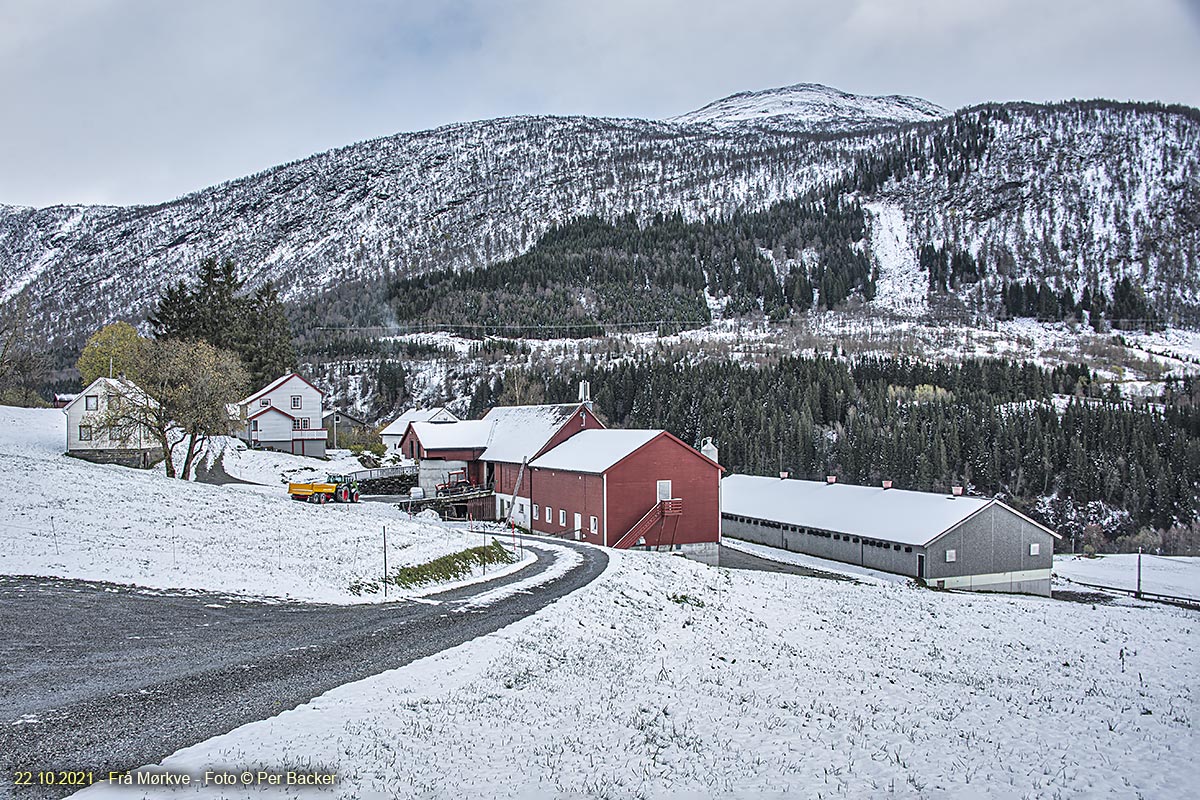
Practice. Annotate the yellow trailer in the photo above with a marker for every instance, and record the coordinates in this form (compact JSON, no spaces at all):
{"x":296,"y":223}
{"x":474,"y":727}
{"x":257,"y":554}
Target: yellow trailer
{"x":337,"y":489}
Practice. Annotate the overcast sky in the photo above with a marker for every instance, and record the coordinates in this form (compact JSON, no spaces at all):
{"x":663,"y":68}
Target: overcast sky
{"x":139,"y":101}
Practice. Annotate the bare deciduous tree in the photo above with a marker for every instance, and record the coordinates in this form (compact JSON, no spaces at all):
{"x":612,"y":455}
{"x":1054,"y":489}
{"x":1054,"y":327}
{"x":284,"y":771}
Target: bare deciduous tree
{"x":182,"y":401}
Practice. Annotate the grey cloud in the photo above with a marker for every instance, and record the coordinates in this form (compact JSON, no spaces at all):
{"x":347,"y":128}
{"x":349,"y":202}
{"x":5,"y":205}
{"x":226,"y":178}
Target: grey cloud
{"x":130,"y":101}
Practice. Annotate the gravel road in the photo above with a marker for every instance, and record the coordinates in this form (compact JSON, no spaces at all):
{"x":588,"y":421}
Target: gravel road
{"x":103,"y":677}
{"x":736,"y":559}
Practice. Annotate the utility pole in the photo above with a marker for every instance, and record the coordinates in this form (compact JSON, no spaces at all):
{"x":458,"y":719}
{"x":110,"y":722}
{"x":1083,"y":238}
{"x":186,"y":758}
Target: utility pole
{"x":1139,"y":582}
{"x":385,"y":562}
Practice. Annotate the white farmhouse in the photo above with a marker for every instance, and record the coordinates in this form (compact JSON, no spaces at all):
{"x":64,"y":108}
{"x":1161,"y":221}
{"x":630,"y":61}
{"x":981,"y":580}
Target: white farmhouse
{"x":90,"y":438}
{"x":285,"y":416}
{"x":394,"y":432}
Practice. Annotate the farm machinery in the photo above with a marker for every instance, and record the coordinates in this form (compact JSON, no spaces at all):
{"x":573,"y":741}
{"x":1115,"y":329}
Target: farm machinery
{"x":336,"y":489}
{"x":456,"y":482}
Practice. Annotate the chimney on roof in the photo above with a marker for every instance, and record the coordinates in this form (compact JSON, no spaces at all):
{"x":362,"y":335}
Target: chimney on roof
{"x":956,"y":491}
{"x":887,"y":484}
{"x":585,"y":393}
{"x":831,"y":479}
{"x":708,"y":449}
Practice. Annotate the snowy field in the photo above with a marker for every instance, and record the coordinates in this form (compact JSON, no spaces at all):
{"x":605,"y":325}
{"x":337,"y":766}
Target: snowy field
{"x":79,"y":520}
{"x":1178,"y":576}
{"x":269,"y":468}
{"x":668,"y":679}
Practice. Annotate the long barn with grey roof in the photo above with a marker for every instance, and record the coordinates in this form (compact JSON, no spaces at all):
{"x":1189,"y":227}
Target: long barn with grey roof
{"x":953,"y":542}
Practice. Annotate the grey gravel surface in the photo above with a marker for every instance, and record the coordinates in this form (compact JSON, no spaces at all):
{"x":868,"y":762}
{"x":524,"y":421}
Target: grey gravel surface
{"x":104,"y":677}
{"x":736,"y":559}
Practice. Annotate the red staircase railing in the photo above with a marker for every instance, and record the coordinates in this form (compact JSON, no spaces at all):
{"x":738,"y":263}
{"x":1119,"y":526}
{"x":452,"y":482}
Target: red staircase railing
{"x":656,"y":514}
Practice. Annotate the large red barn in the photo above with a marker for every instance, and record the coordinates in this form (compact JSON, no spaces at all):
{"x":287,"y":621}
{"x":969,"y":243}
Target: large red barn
{"x":629,"y":488}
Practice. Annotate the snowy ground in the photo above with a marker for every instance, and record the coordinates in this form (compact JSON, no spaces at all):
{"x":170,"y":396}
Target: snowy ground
{"x":274,"y":469}
{"x":668,"y":679}
{"x":1177,"y":576}
{"x":812,"y":562}
{"x":901,"y":285}
{"x":80,"y":520}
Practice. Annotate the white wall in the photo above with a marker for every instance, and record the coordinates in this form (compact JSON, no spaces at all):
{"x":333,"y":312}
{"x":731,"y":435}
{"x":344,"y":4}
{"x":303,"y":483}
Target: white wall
{"x":77,"y":415}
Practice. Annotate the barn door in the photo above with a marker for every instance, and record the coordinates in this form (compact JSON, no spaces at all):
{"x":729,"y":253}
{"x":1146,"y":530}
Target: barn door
{"x":664,"y":490}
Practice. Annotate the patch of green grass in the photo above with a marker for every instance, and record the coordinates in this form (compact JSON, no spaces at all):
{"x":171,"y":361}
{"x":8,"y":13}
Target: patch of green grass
{"x":686,"y":600}
{"x":454,"y":566}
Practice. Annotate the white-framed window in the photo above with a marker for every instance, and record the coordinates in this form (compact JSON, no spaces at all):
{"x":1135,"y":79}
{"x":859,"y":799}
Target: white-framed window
{"x":113,"y":400}
{"x":549,"y":514}
{"x":295,"y":424}
{"x":595,"y":525}
{"x":951,"y":555}
{"x":1035,"y":549}
{"x":664,"y":490}
{"x":304,"y":423}
{"x":91,"y":402}
{"x":266,"y":401}
{"x":537,"y":511}
{"x":297,"y":401}
{"x":85,"y":433}
{"x":562,"y":517}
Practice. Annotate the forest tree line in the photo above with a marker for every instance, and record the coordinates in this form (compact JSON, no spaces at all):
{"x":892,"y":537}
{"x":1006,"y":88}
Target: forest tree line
{"x":1058,"y":443}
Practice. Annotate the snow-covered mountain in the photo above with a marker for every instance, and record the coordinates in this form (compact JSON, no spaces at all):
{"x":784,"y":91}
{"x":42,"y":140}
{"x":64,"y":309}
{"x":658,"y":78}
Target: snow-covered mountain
{"x":1065,"y":193}
{"x":813,"y":107}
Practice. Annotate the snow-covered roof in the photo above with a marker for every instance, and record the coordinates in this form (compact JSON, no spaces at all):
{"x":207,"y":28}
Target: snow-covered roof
{"x":118,"y":386}
{"x":275,"y":384}
{"x":891,"y":515}
{"x":594,"y":451}
{"x":400,"y":424}
{"x":521,"y":431}
{"x":466,"y":435}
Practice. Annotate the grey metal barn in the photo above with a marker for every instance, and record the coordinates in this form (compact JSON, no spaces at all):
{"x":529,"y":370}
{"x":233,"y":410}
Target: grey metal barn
{"x":953,"y":542}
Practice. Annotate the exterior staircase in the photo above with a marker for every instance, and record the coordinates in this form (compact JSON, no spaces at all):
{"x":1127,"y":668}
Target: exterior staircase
{"x":657,"y":515}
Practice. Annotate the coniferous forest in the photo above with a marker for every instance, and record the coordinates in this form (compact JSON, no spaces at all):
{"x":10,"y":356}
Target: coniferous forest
{"x":588,"y":275}
{"x":1057,"y":444}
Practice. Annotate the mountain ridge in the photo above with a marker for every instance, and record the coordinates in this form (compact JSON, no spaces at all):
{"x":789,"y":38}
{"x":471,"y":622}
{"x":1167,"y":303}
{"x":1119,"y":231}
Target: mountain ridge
{"x":1069,"y":194}
{"x":813,"y":106}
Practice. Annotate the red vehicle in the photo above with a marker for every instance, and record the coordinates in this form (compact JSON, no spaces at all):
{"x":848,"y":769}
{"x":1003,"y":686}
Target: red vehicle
{"x":457,"y":482}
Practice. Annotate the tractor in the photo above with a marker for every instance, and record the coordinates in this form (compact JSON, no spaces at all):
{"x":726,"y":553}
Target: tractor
{"x":336,"y":488}
{"x":457,"y":482}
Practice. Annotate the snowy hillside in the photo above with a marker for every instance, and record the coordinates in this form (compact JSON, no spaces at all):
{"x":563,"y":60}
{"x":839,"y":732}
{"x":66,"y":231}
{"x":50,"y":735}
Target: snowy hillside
{"x":813,"y":107}
{"x":1176,"y":576}
{"x":669,"y":679}
{"x":82,"y":520}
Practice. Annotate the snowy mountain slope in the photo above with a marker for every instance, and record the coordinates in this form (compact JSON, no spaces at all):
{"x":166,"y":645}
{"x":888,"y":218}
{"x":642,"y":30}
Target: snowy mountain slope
{"x":668,"y":679}
{"x":1073,"y":194}
{"x":811,"y":106}
{"x":457,"y":197}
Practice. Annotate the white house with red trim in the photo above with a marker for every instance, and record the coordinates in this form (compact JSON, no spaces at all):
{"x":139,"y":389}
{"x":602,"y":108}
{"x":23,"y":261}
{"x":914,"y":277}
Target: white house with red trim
{"x":285,"y":416}
{"x":394,"y":432}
